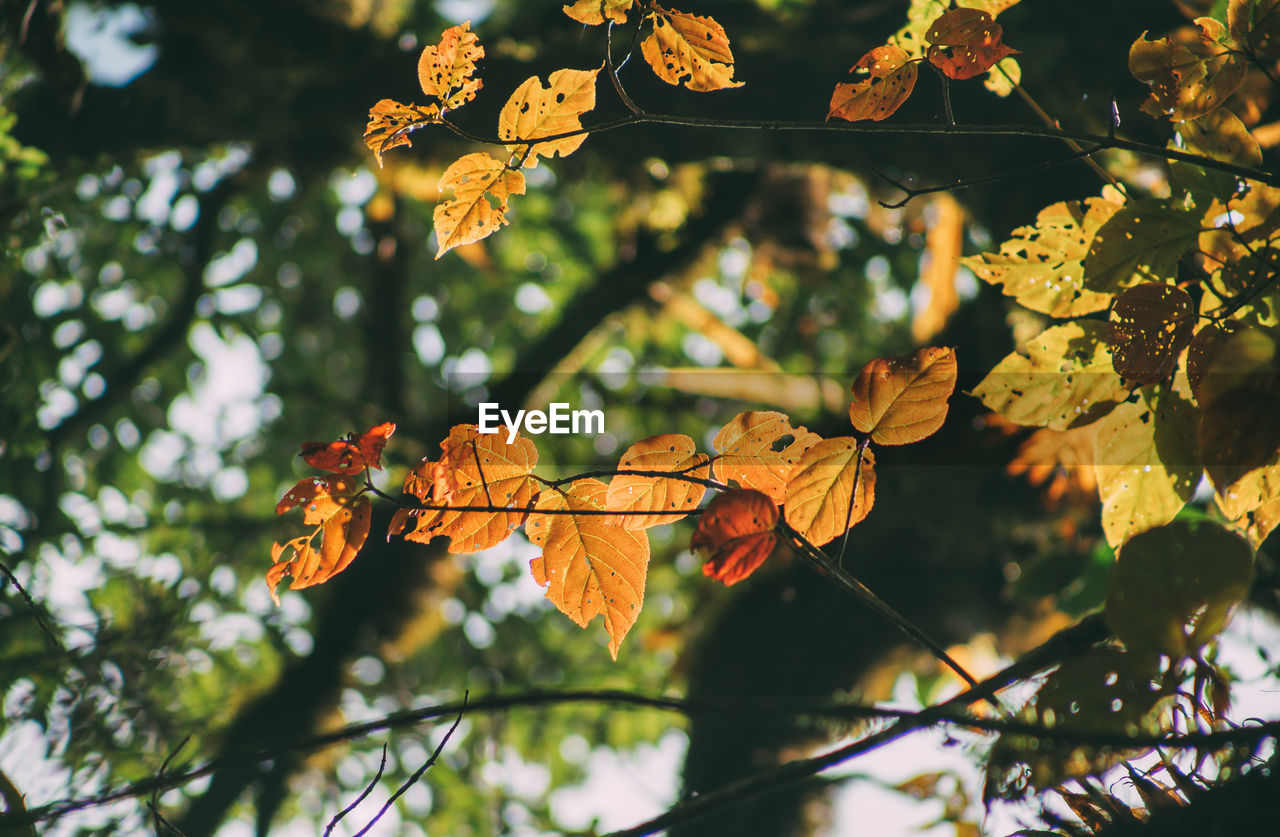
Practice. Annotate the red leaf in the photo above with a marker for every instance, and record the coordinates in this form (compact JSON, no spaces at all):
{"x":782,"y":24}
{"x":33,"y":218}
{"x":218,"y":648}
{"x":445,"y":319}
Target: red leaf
{"x":349,"y":456}
{"x":964,"y":43}
{"x":736,"y":533}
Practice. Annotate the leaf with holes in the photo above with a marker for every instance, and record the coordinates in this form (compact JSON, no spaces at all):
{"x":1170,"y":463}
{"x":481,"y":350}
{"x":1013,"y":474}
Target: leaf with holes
{"x":904,"y":399}
{"x":477,"y":470}
{"x":1256,"y":25}
{"x":891,"y":76}
{"x":390,"y":124}
{"x":342,"y":517}
{"x":1175,"y":587}
{"x":735,"y":534}
{"x":596,"y":12}
{"x":1221,"y":135}
{"x":1142,"y":242}
{"x":965,"y":42}
{"x":688,"y":49}
{"x":1188,"y":77}
{"x":1150,"y":325}
{"x":477,"y":180}
{"x":643,"y":499}
{"x":1042,"y":266}
{"x":1061,"y":379}
{"x":445,"y":70}
{"x":821,"y":504}
{"x":535,"y":111}
{"x":351,"y":455}
{"x":758,"y":449}
{"x":588,"y":566}
{"x":1147,"y":462}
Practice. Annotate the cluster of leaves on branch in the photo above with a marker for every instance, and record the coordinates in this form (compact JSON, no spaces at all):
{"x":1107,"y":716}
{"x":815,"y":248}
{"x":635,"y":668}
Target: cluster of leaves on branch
{"x":682,"y":48}
{"x":776,"y":483}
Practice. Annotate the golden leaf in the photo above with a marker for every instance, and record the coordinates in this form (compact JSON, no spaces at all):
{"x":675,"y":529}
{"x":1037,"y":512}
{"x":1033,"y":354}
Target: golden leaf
{"x":596,"y":12}
{"x":904,"y":399}
{"x":445,"y":70}
{"x":470,"y":215}
{"x":390,"y":124}
{"x":588,"y":566}
{"x":758,"y":449}
{"x":645,"y":498}
{"x":535,"y":111}
{"x":821,"y":489}
{"x":690,"y":50}
{"x":891,"y":78}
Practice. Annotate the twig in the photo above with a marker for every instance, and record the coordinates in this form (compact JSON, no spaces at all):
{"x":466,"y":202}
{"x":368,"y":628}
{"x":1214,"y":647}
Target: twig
{"x":853,"y":499}
{"x":154,"y":803}
{"x":613,"y":71}
{"x":31,"y":604}
{"x":368,"y":789}
{"x":417,"y":774}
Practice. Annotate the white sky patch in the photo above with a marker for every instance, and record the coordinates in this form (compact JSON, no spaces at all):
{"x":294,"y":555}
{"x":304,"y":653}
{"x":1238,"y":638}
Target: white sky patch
{"x":99,"y":37}
{"x":623,"y":788}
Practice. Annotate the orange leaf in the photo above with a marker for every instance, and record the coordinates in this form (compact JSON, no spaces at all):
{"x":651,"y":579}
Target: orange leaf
{"x":485,"y":471}
{"x":445,"y":70}
{"x":595,"y":12}
{"x":643,"y":497}
{"x":471,"y":215}
{"x":535,"y":111}
{"x":892,"y":77}
{"x":758,"y":449}
{"x":343,"y":522}
{"x":964,"y":43}
{"x":690,"y":50}
{"x":736,"y":533}
{"x":390,"y":124}
{"x":904,"y":399}
{"x":588,"y":566}
{"x":349,"y":456}
{"x":1061,"y":460}
{"x":1150,"y":325}
{"x":821,"y":488}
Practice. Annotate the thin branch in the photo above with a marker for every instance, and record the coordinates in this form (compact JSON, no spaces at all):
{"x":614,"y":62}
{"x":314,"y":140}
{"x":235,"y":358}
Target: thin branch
{"x":162,"y":825}
{"x":368,"y":789}
{"x":853,"y":499}
{"x":613,"y":71}
{"x":33,"y":607}
{"x":417,"y":774}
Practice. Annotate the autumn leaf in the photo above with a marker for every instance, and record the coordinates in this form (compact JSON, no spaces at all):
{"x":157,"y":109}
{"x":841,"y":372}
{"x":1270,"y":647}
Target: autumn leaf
{"x":1063,"y":378}
{"x":1042,"y":266}
{"x":1150,"y":325}
{"x":643,"y":498}
{"x":390,"y":124}
{"x":1201,"y":350}
{"x":470,"y":215}
{"x":921,"y":15}
{"x":1240,"y":407}
{"x":1190,"y":77}
{"x":1220,"y":135}
{"x":342,"y":516}
{"x":535,"y":111}
{"x":965,"y":42}
{"x":688,"y":49}
{"x":1059,"y":460}
{"x":1141,"y":242}
{"x":758,"y":449}
{"x":1236,"y":229}
{"x":1148,"y":464}
{"x":904,"y":399}
{"x":821,"y":489}
{"x":891,"y":76}
{"x":735,"y":534}
{"x":476,"y":470}
{"x":445,"y":70}
{"x":1175,"y":587}
{"x":1255,"y":24}
{"x":588,"y":566}
{"x":596,"y":12}
{"x":352,"y":455}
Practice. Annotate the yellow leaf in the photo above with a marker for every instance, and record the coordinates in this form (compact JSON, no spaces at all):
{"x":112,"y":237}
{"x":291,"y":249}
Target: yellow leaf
{"x":644,"y":498}
{"x":1221,"y":135}
{"x":821,"y":489}
{"x":596,"y":12}
{"x":1061,"y":379}
{"x":390,"y":124}
{"x":477,"y":470}
{"x":1148,"y":465}
{"x":758,"y":449}
{"x":535,"y":111}
{"x":1042,"y":266}
{"x":470,"y":215}
{"x":445,"y":70}
{"x":1256,"y":24}
{"x":904,"y":399}
{"x":588,"y":566}
{"x":690,"y":50}
{"x":891,"y":78}
{"x":1190,"y":77}
{"x":1142,"y":242}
